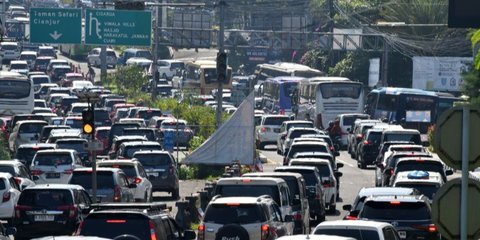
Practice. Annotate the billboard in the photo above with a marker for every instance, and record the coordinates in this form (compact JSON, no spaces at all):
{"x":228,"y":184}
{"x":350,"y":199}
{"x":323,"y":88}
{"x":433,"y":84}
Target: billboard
{"x":439,"y":73}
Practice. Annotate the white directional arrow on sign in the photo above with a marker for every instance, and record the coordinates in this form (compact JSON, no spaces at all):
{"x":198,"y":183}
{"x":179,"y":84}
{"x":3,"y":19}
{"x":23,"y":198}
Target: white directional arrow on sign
{"x":55,"y":35}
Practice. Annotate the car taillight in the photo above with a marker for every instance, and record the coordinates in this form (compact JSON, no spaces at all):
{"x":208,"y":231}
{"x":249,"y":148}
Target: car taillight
{"x":201,"y":232}
{"x":36,"y":172}
{"x":72,"y":210}
{"x":136,"y":180}
{"x":265,"y":231}
{"x":282,"y":112}
{"x":348,"y":217}
{"x":153,"y":236}
{"x":171,"y":170}
{"x":18,"y":180}
{"x":20,"y":208}
{"x":332,"y":148}
{"x":264,"y":129}
{"x":430,"y":228}
{"x":365,"y":142}
{"x":318,"y":196}
{"x":6,"y":196}
{"x":359,"y":136}
{"x":68,"y":171}
{"x":327,"y":185}
{"x":391,"y":172}
{"x":116,"y":194}
{"x":297,"y":216}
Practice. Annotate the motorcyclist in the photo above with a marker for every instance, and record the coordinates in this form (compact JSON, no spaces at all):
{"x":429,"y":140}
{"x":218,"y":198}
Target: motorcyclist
{"x":335,"y":131}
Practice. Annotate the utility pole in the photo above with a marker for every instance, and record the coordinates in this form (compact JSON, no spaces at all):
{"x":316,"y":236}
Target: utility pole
{"x":221,"y":49}
{"x":385,"y":63}
{"x":103,"y":59}
{"x":155,"y":56}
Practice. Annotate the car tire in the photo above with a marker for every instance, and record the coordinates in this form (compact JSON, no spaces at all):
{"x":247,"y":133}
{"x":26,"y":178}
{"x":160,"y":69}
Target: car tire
{"x":232,"y":231}
{"x":279,"y":152}
{"x":361,"y":163}
{"x":320,"y":219}
{"x":332,"y":209}
{"x":261,"y":146}
{"x":176,"y":194}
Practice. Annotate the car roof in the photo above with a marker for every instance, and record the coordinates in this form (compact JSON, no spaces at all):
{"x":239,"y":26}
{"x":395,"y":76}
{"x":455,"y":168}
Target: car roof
{"x":314,"y":237}
{"x":357,"y":224}
{"x":13,"y":162}
{"x":297,"y":121}
{"x":87,"y":169}
{"x":433,"y":177}
{"x":56,"y":151}
{"x":71,"y":140}
{"x":250,"y":180}
{"x":419,"y":159}
{"x":151,"y":152}
{"x":118,"y":161}
{"x":406,"y":146}
{"x":56,"y":186}
{"x":399,"y":198}
{"x":240,"y":200}
{"x":318,"y":143}
{"x":299,"y":167}
{"x":272,"y":174}
{"x":5,"y":175}
{"x":310,"y":160}
{"x":312,"y":154}
{"x":141,"y":143}
{"x":30,"y":121}
{"x":375,"y":191}
{"x":71,"y":238}
{"x":133,"y":137}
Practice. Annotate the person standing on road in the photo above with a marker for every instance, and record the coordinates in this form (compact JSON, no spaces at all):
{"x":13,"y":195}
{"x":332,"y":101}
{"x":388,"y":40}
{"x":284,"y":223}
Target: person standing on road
{"x":91,"y":73}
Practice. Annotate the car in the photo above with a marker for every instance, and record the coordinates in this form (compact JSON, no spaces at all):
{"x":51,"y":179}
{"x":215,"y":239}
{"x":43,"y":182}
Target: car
{"x":19,"y":172}
{"x":80,"y":85}
{"x":46,"y":51}
{"x":305,"y":147}
{"x":385,"y":170}
{"x":368,"y":147}
{"x":56,"y":62}
{"x":41,"y":63}
{"x":19,"y":66}
{"x":30,"y":57}
{"x":314,"y":237}
{"x":77,"y":108}
{"x":354,"y":208}
{"x":395,"y":134}
{"x":26,"y":152}
{"x":65,"y":103}
{"x":300,"y":208}
{"x":93,"y":57}
{"x":161,"y":170}
{"x":178,"y":130}
{"x":101,"y":135}
{"x":156,"y":122}
{"x":358,"y":230}
{"x":293,"y":133}
{"x":326,"y":138}
{"x":41,"y":110}
{"x":57,"y":72}
{"x":168,"y":68}
{"x":127,"y":149}
{"x":355,"y":135}
{"x":346,"y":121}
{"x":243,"y":218}
{"x":10,"y":191}
{"x":75,"y":122}
{"x":140,"y":121}
{"x":116,"y":107}
{"x":269,"y":129}
{"x":56,"y":134}
{"x":137,"y":220}
{"x":110,"y":102}
{"x":26,"y":131}
{"x":38,"y":80}
{"x":327,"y":175}
{"x":40,"y":103}
{"x":54,"y":165}
{"x":118,"y":140}
{"x":69,"y":78}
{"x":102,"y":118}
{"x":112,"y":184}
{"x":76,"y":144}
{"x":420,"y":164}
{"x":410,"y":215}
{"x":149,"y":133}
{"x":50,"y":209}
{"x":142,"y":63}
{"x":148,"y":113}
{"x":134,"y":53}
{"x":53,"y":100}
{"x":388,"y":148}
{"x":427,"y":183}
{"x":9,"y":51}
{"x":313,"y":187}
{"x":136,"y":174}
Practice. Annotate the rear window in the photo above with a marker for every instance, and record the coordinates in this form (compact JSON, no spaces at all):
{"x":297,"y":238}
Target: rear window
{"x":117,"y":130}
{"x":31,"y":127}
{"x":428,"y":190}
{"x":240,"y":214}
{"x":300,"y":125}
{"x":353,"y":233}
{"x":348,"y":121}
{"x":27,"y":154}
{"x":149,"y":134}
{"x":52,"y":159}
{"x":112,"y":225}
{"x":101,"y":115}
{"x":374,"y":137}
{"x":46,"y":52}
{"x":74,"y":145}
{"x":276,"y":121}
{"x":147,"y":114}
{"x":154,"y":160}
{"x":323,"y":169}
{"x":248,"y":191}
{"x":129,"y":170}
{"x":308,"y":175}
{"x":2,"y":184}
{"x":410,"y":137}
{"x":7,"y":169}
{"x":9,"y":47}
{"x":102,"y":134}
{"x":420,"y":166}
{"x":74,"y":123}
{"x":395,"y":211}
{"x":50,"y":198}
{"x":131,"y":150}
{"x":307,"y":148}
{"x":84,"y":179}
{"x":114,"y":101}
{"x":299,"y":133}
{"x":39,"y":80}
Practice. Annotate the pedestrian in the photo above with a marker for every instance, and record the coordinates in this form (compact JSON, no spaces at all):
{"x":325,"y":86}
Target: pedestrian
{"x":91,"y":73}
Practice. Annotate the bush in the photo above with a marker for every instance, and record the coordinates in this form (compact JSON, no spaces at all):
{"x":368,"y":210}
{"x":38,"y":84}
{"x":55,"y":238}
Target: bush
{"x":187,"y":172}
{"x":196,"y":142}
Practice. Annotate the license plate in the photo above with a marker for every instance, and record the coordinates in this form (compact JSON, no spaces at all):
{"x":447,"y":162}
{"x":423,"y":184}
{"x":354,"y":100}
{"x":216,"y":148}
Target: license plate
{"x":402,"y":234}
{"x":44,"y":218}
{"x":276,"y":130}
{"x":153,"y":174}
{"x":98,"y":123}
{"x":53,"y":175}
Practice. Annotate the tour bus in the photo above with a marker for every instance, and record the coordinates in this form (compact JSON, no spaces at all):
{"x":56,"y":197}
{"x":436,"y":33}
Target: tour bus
{"x":201,"y":76}
{"x":321,"y":99}
{"x":277,"y":94}
{"x":411,"y":108}
{"x":446,"y":101}
{"x":264,"y":71}
{"x":16,"y":94}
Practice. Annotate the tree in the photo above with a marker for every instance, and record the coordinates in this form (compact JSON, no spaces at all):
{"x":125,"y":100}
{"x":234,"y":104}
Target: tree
{"x":128,"y":80}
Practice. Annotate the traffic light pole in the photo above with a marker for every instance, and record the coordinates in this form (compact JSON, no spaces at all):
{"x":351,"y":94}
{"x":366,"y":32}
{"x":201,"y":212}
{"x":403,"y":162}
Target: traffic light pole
{"x":221,"y":49}
{"x":93,"y":155}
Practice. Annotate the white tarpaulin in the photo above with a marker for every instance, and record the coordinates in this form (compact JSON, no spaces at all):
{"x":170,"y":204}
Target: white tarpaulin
{"x":234,"y":140}
{"x":439,"y":73}
{"x":374,"y":72}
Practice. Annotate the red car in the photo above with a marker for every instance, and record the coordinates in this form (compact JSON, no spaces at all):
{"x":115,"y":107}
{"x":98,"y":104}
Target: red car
{"x":101,"y":135}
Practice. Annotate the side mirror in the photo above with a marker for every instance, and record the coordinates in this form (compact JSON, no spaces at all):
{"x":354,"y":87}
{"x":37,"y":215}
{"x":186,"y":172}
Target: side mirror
{"x":189,"y":235}
{"x":132,"y":185}
{"x":347,"y":207}
{"x":338,"y":174}
{"x":289,"y":218}
{"x":340,"y":165}
{"x":349,"y":130}
{"x":283,"y":136}
{"x":449,"y":172}
{"x":10,"y":231}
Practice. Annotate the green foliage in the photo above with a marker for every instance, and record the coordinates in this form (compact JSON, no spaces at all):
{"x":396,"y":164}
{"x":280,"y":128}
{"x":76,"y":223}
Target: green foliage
{"x":355,"y":66}
{"x":195,"y":142}
{"x":187,"y":172}
{"x":4,"y":152}
{"x":127,"y":80}
{"x":475,"y":38}
{"x":471,"y":84}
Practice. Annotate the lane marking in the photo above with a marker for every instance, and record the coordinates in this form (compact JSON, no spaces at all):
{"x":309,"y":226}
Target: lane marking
{"x":346,"y":163}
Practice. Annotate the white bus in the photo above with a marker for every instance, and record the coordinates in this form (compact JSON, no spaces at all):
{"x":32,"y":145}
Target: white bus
{"x":16,"y":94}
{"x":282,"y":69}
{"x":321,"y":99}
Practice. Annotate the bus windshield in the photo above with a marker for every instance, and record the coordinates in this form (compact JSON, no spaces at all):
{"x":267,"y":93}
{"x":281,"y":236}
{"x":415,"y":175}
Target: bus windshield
{"x":14,"y":89}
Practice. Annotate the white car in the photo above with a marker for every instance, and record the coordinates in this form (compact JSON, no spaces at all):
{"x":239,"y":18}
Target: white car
{"x":136,"y":174}
{"x":269,"y":129}
{"x":9,"y":50}
{"x":93,"y":57}
{"x":26,"y":131}
{"x":10,"y":191}
{"x":427,"y":183}
{"x":329,"y":181}
{"x":19,"y":66}
{"x":402,"y":148}
{"x":79,"y":85}
{"x":19,"y":171}
{"x":30,"y":57}
{"x":54,"y":165}
{"x":168,"y":68}
{"x":358,"y":229}
{"x":144,"y":63}
{"x":314,"y":237}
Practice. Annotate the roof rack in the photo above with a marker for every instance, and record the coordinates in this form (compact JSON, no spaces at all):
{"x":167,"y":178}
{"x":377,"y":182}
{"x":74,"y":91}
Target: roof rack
{"x":144,"y":206}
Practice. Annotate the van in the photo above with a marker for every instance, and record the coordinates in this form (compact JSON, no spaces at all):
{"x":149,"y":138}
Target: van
{"x":410,"y":135}
{"x":346,"y":122}
{"x":133,"y":52}
{"x":9,"y":50}
{"x":167,"y":68}
{"x":257,"y":186}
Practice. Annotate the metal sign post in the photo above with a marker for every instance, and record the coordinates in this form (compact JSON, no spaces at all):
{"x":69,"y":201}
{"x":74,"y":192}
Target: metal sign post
{"x":465,"y":153}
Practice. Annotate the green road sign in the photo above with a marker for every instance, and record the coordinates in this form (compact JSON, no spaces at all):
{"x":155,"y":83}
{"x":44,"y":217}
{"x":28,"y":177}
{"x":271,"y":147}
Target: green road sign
{"x":118,"y":27}
{"x":55,"y":25}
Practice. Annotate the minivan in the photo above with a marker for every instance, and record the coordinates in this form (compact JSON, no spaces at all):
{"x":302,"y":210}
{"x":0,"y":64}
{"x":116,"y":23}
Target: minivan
{"x":133,"y":52}
{"x":410,"y":135}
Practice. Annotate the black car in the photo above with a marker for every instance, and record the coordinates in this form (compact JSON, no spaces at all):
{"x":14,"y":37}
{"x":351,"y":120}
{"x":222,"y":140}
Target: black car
{"x":410,"y":215}
{"x":25,"y":152}
{"x":117,"y":130}
{"x":102,"y":117}
{"x":314,"y":189}
{"x":58,"y":72}
{"x":142,"y":220}
{"x":149,"y":133}
{"x":367,"y":149}
{"x":387,"y":169}
{"x":50,"y":209}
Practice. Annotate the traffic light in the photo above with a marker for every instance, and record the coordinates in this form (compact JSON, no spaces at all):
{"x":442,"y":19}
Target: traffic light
{"x":222,"y":75}
{"x":88,"y":119}
{"x":129,"y":5}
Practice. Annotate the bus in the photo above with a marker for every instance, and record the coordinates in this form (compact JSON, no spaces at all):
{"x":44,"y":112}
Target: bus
{"x":264,"y":71}
{"x":277,"y":94}
{"x":16,"y":94}
{"x":321,"y":99}
{"x":446,"y":101}
{"x":411,"y":108}
{"x":201,"y":76}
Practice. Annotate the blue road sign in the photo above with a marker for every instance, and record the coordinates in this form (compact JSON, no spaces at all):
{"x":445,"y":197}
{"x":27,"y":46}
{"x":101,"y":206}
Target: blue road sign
{"x":168,"y":140}
{"x":14,"y":29}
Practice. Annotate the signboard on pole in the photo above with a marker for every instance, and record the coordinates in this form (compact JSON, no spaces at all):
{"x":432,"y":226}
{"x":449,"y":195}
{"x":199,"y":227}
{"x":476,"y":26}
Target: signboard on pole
{"x":118,"y":27}
{"x":168,"y":141}
{"x":55,"y":25}
{"x":374,"y":72}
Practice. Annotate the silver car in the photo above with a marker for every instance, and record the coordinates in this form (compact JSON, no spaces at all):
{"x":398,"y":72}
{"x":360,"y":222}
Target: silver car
{"x":54,"y":165}
{"x":25,"y":132}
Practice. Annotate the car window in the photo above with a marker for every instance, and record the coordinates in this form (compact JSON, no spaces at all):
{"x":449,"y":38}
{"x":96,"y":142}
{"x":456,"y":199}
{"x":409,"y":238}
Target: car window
{"x":3,"y":185}
{"x":389,"y":233}
{"x":129,"y":170}
{"x":154,"y":160}
{"x":45,"y":197}
{"x":395,"y":211}
{"x":14,"y":183}
{"x":228,"y":213}
{"x":353,"y":233}
{"x":53,"y":159}
{"x":113,"y":225}
{"x":285,"y":196}
{"x":84,"y":179}
{"x":275,"y":120}
{"x":8,"y":169}
{"x":275,"y":215}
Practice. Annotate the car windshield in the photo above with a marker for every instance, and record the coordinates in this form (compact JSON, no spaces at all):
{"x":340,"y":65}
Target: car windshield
{"x":348,"y":121}
{"x":237,"y":214}
{"x":74,"y":145}
{"x":48,"y":198}
{"x":84,"y":179}
{"x":108,"y":225}
{"x":248,"y":191}
{"x":154,"y":160}
{"x":52,"y":159}
{"x":428,"y":190}
{"x":31,"y":127}
{"x":8,"y":169}
{"x":131,"y":150}
{"x":275,"y":121}
{"x":353,"y":233}
{"x":394,"y":211}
